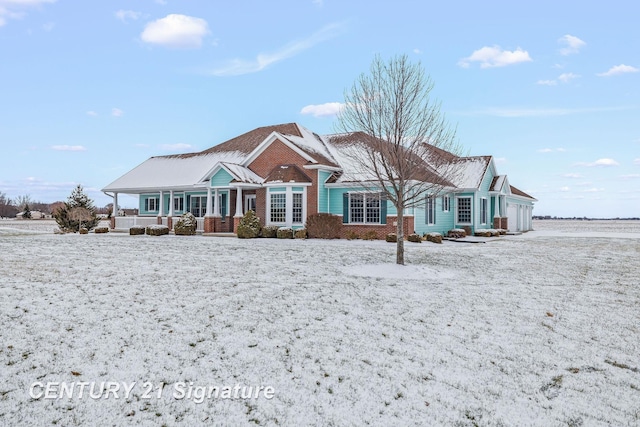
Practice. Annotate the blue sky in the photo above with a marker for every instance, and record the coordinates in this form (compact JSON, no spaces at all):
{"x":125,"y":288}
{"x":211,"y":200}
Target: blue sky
{"x":88,"y":90}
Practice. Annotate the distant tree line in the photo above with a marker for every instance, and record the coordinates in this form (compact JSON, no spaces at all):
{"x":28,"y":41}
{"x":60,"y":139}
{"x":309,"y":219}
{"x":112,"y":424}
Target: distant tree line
{"x":10,"y":207}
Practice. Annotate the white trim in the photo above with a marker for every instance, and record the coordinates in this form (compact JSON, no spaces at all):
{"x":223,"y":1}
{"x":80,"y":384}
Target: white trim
{"x":364,"y":208}
{"x":288,"y":192}
{"x":275,"y":136}
{"x":485,"y":218}
{"x":323,"y":167}
{"x":288,"y":184}
{"x":457,"y":208}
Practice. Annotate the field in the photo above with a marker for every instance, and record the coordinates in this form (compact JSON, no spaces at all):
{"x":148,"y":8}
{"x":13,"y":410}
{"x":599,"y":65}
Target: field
{"x":539,"y":329}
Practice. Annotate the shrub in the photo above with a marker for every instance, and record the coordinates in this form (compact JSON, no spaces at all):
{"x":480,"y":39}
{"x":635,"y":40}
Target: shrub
{"x":136,"y":230}
{"x":391,"y":238}
{"x":352,"y":235}
{"x":186,"y":225}
{"x":301,"y":233}
{"x":370,"y":235}
{"x":157,"y":230}
{"x":323,"y":226}
{"x":456,"y":233}
{"x":84,"y":231}
{"x":467,"y":230}
{"x":270,"y":231}
{"x":284,"y":233}
{"x":415,"y":238}
{"x":434,"y":237}
{"x":249,"y":226}
{"x":77,"y":212}
{"x":501,"y":231}
{"x":100,"y":230}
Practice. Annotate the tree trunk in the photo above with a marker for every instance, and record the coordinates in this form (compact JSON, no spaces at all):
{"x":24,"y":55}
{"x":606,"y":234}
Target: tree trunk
{"x":400,"y":236}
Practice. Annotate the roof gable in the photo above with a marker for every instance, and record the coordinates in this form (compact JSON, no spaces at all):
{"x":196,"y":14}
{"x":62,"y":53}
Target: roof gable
{"x":287,"y":173}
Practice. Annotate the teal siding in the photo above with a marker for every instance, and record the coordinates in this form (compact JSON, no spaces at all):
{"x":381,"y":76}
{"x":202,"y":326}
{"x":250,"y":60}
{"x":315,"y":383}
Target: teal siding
{"x":323,"y":192}
{"x":444,"y":219}
{"x":483,"y":191}
{"x":297,"y":189}
{"x":277,"y":189}
{"x":222,"y":178}
{"x":143,"y":202}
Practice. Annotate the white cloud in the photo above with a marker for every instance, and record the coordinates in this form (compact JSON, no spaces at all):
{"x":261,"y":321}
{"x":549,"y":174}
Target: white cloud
{"x":417,"y":51}
{"x":125,"y":15}
{"x":565,"y":189}
{"x":14,"y":9}
{"x":68,"y":148}
{"x":593,"y":190}
{"x":572,"y":44}
{"x":323,"y":110}
{"x":92,"y":113}
{"x":318,"y":3}
{"x":600,"y":163}
{"x":547,"y":82}
{"x":636,"y":161}
{"x":618,"y":69}
{"x":116,"y":112}
{"x":176,"y":31}
{"x":572,"y":175}
{"x":176,"y":147}
{"x":551,"y":150}
{"x":494,"y":56}
{"x":238,"y":67}
{"x":566,"y":77}
{"x":630,"y":176}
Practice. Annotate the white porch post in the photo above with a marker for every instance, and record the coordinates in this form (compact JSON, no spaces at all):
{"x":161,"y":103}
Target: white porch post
{"x":238,"y":203}
{"x":209,"y":203}
{"x":216,"y":204}
{"x":161,"y":204}
{"x":115,"y":205}
{"x":496,"y":212}
{"x":289,"y":207}
{"x":171,"y":203}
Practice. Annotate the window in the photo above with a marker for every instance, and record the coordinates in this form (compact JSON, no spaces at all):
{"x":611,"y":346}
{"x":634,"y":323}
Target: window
{"x":198,"y":206}
{"x":365,"y":208}
{"x":151,"y":204}
{"x":278,"y":207}
{"x":483,"y":210}
{"x":297,"y":207}
{"x":464,"y":210}
{"x":446,"y":203}
{"x":431,"y":210}
{"x":178,"y":203}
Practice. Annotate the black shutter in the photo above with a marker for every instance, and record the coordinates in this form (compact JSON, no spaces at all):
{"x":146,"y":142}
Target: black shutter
{"x":345,"y":208}
{"x":383,"y":208}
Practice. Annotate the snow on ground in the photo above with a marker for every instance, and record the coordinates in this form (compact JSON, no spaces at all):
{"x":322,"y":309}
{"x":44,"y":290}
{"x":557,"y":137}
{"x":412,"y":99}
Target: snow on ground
{"x":523,"y":330}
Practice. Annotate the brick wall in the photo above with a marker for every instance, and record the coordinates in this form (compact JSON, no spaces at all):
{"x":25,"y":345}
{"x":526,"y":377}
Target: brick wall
{"x":279,"y":154}
{"x":380,"y":230}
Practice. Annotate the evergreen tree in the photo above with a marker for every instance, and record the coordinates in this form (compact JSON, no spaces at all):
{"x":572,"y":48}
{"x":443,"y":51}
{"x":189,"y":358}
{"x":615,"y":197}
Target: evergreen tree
{"x":26,"y":213}
{"x":67,"y":215}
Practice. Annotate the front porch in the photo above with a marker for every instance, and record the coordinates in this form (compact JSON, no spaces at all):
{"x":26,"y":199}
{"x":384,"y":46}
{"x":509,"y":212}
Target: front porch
{"x":205,"y":225}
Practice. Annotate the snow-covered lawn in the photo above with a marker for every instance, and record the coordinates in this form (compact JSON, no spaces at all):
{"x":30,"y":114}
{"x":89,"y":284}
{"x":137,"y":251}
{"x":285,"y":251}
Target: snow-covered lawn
{"x":539,"y":329}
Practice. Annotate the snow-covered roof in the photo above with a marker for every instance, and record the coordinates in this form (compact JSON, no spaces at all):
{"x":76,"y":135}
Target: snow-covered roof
{"x":314,"y":145}
{"x":170,"y":172}
{"x":242,"y":174}
{"x":469,"y":171}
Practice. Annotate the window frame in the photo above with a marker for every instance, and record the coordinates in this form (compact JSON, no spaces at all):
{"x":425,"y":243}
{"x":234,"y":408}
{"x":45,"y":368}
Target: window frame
{"x":430,"y":210}
{"x":446,"y":203}
{"x":370,"y":207}
{"x":283,"y":195}
{"x":484,"y":211}
{"x":468,"y":210}
{"x":152,"y":204}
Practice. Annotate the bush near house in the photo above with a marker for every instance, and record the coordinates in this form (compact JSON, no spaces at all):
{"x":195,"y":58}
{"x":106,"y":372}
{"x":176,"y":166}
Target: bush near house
{"x":370,"y":235}
{"x":300,"y":233}
{"x":270,"y":231}
{"x":137,"y":230}
{"x":284,"y":233}
{"x":84,"y":231}
{"x":352,"y":235}
{"x":186,"y":225}
{"x":456,"y":233}
{"x":434,"y":237}
{"x":391,"y":238}
{"x":157,"y":230}
{"x":323,"y":226}
{"x":249,"y":226}
{"x":101,"y":230}
{"x":415,"y":238}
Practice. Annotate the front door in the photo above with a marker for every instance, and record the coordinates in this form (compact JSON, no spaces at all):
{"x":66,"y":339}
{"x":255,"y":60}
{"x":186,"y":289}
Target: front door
{"x":250,"y":202}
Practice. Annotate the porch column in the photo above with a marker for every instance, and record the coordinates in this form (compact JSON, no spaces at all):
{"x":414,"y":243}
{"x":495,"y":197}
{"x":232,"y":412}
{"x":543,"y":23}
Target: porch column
{"x":496,"y":212}
{"x":160,"y":207}
{"x":238,"y":203}
{"x":216,"y":205}
{"x":114,"y":211}
{"x":209,"y":199}
{"x":171,"y":203}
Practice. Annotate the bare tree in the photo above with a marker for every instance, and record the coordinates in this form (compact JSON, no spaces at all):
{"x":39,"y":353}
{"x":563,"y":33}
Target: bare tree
{"x":6,"y":206}
{"x":22,"y":201}
{"x":395,"y":138}
{"x":80,"y":214}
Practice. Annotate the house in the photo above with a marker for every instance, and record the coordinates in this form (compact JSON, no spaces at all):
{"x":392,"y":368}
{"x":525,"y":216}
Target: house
{"x":286,"y":172}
